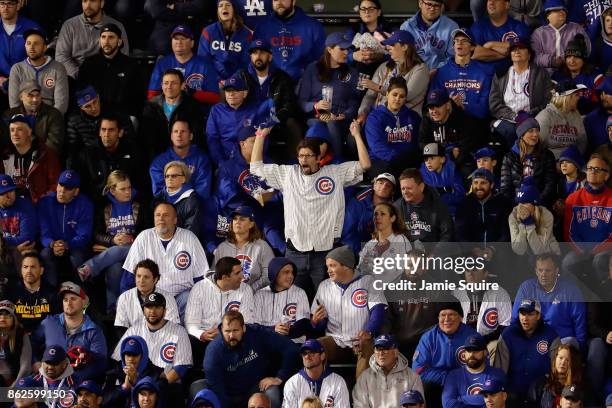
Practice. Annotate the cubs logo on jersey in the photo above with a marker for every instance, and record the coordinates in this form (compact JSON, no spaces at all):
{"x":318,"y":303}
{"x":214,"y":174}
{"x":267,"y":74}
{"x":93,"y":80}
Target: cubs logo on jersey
{"x":359,"y":298}
{"x":290,"y":310}
{"x":167,"y":352}
{"x":325,"y":185}
{"x":490,"y":318}
{"x":182,"y":260}
{"x":461,"y":356}
{"x":233,"y":306}
{"x":474,"y":389}
{"x":542,"y":347}
{"x":329,"y":402}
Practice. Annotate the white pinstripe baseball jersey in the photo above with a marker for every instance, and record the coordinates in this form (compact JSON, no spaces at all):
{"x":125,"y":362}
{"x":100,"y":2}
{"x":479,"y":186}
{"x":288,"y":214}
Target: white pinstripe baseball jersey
{"x":313,"y":204}
{"x":168,"y":346}
{"x":207,"y":304}
{"x":272,"y":307}
{"x":333,"y":392}
{"x":129,"y":309}
{"x":516,"y":92}
{"x":179,"y":263}
{"x":495,"y":309}
{"x":348,"y":310}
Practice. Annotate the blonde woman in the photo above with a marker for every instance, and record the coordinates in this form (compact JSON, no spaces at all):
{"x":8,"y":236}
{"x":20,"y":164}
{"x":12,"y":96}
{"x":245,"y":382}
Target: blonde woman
{"x":312,"y":402}
{"x":15,"y":346}
{"x":404,"y":62}
{"x":117,"y":224}
{"x":560,"y":122}
{"x":531,"y":225}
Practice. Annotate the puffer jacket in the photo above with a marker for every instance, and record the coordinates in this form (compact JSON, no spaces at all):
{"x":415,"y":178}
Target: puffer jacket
{"x":375,"y":389}
{"x":544,"y":175}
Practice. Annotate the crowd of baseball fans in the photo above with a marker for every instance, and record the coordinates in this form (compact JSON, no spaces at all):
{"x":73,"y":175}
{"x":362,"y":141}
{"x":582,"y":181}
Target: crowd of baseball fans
{"x":203,"y":231}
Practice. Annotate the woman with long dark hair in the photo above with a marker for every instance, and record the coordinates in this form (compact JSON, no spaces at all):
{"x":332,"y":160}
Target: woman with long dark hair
{"x":328,"y":89}
{"x":15,"y":347}
{"x":370,"y":31}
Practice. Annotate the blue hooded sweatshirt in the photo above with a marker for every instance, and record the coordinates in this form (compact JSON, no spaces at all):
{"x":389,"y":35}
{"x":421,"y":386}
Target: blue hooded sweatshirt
{"x":122,"y":216}
{"x":448,"y":182}
{"x":12,"y":47}
{"x":392,"y":136}
{"x":206,"y":395}
{"x":52,"y":331}
{"x":236,"y":370}
{"x":563,"y":307}
{"x":198,"y":162}
{"x":296,"y":41}
{"x":72,"y":222}
{"x":19,"y":222}
{"x":229,"y":54}
{"x":358,"y":220}
{"x":149,"y":384}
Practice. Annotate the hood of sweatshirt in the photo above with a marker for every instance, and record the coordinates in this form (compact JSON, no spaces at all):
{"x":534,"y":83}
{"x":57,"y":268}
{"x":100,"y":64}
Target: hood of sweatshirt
{"x":144,"y":357}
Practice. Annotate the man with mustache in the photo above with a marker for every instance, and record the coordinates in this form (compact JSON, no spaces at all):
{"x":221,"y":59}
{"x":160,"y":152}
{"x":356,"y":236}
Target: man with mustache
{"x":89,"y":394}
{"x":313,"y":199}
{"x":79,"y":36}
{"x":463,"y":385}
{"x":114,"y":75}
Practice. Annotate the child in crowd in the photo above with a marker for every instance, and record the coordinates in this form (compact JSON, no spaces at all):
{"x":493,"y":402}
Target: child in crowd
{"x":443,"y":175}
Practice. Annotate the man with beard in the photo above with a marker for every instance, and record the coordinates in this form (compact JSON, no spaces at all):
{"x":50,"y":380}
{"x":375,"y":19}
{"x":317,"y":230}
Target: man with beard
{"x":595,"y":123}
{"x":297,"y":39}
{"x":265,"y":81}
{"x":463,"y":385}
{"x":75,"y":331}
{"x":50,"y":74}
{"x":389,"y":374}
{"x":358,"y":222}
{"x":79,"y":36}
{"x":237,"y":362}
{"x":313,"y":200}
{"x":34,"y":299}
{"x":524,"y":348}
{"x":315,"y":379}
{"x":478,"y":216}
{"x":177,"y":251}
{"x":114,"y":75}
{"x":48,"y":121}
{"x":89,"y":394}
{"x":168,"y":342}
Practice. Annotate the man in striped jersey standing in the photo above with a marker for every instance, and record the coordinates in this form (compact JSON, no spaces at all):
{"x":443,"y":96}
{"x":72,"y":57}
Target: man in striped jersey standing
{"x":313,"y":200}
{"x":349,"y":310}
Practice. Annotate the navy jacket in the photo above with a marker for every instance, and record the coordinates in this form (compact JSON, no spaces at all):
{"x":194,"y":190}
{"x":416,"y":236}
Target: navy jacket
{"x":19,"y":222}
{"x":72,"y":222}
{"x":478,"y":221}
{"x":12,"y":47}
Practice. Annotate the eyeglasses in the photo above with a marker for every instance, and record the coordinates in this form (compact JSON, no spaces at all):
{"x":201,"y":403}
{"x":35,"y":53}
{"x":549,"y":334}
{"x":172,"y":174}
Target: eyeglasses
{"x":368,"y":9}
{"x":462,"y":41}
{"x":433,"y":6}
{"x":8,"y":4}
{"x":381,"y":350}
{"x":308,"y":353}
{"x":306,"y":156}
{"x":173,"y":176}
{"x":591,"y":169}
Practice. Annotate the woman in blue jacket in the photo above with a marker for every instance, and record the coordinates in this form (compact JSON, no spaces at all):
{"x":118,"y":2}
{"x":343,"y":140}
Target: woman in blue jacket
{"x":226,"y":42}
{"x":391,"y":131}
{"x":331,"y":72}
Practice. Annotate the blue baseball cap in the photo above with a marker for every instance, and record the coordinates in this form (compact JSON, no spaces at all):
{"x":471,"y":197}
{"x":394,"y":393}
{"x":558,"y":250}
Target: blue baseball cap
{"x":385,"y":341}
{"x":475,"y":342}
{"x":260,"y":44}
{"x":399,"y":36}
{"x":411,"y":397}
{"x":465,"y":32}
{"x":132,"y":346}
{"x":86,"y":95}
{"x":573,"y":155}
{"x":530,"y":305}
{"x":485,"y":152}
{"x":338,"y":38}
{"x":182,"y":30}
{"x":312,"y":344}
{"x":437,"y":97}
{"x":519,"y":42}
{"x":90,"y":386}
{"x":483,"y":174}
{"x":245,"y":211}
{"x":19,"y":118}
{"x":552,"y":5}
{"x":236,"y":82}
{"x":70,"y":179}
{"x":6,"y":184}
{"x":54,"y":354}
{"x":606,"y":85}
{"x":493,"y":385}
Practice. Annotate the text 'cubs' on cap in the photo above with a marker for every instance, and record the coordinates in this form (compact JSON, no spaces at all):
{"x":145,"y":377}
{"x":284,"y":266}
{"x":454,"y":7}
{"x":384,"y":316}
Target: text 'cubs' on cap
{"x":385,"y":341}
{"x":399,"y":36}
{"x":475,"y":342}
{"x":90,"y":386}
{"x":154,"y":299}
{"x":385,"y":176}
{"x":182,"y":30}
{"x":530,"y":305}
{"x":54,"y":354}
{"x":313,"y":345}
{"x":6,"y":184}
{"x":411,"y":397}
{"x":70,"y":179}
